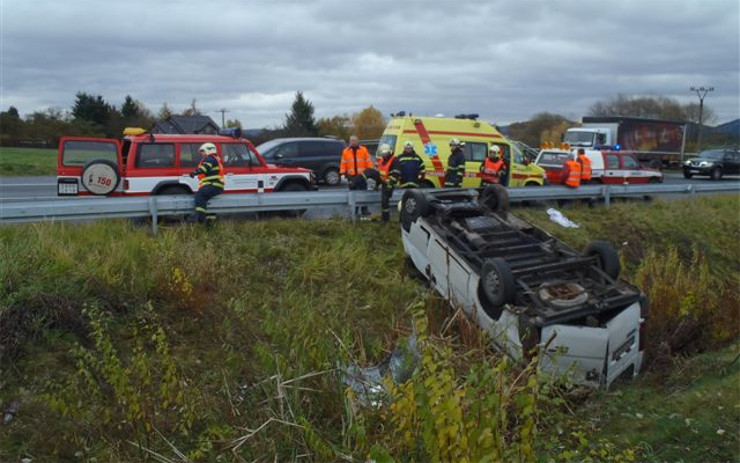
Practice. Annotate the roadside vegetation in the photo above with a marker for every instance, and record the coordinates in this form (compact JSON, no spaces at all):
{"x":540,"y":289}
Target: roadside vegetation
{"x":16,"y":162}
{"x":231,"y":345}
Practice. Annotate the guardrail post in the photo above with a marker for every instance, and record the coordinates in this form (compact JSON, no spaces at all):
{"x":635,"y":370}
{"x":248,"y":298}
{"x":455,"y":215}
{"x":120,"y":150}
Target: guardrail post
{"x":153,"y":212}
{"x":352,"y":206}
{"x":691,"y":190}
{"x":606,"y":191}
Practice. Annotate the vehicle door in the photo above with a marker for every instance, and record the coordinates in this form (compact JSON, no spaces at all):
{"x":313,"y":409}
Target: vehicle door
{"x":732,"y":162}
{"x":475,"y":154}
{"x":520,"y":170}
{"x":242,"y":170}
{"x":77,"y":153}
{"x":151,"y":164}
{"x":613,"y":174}
{"x":286,"y":154}
{"x":313,"y":154}
{"x":632,"y":171}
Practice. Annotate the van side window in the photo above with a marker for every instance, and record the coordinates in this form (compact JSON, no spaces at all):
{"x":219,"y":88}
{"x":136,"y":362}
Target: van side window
{"x":288,"y":150}
{"x":612,"y":161}
{"x":189,"y":156}
{"x":316,"y":148}
{"x":234,"y":155}
{"x":475,"y":152}
{"x":156,"y":155}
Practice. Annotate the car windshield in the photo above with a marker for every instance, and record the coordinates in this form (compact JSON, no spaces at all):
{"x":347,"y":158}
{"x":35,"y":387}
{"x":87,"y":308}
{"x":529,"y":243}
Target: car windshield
{"x":550,"y":158}
{"x":579,"y":138}
{"x":711,"y":154}
{"x":266,"y":148}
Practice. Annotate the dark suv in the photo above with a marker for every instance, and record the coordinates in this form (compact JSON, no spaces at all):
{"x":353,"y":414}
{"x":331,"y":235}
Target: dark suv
{"x":714,"y":162}
{"x":321,"y":155}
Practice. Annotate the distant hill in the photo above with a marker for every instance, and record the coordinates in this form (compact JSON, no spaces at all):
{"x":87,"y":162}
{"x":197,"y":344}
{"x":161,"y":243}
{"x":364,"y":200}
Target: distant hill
{"x":729,"y":129}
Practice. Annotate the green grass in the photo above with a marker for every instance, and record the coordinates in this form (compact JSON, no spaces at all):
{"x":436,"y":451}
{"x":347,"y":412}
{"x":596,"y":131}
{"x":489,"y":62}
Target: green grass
{"x":17,"y":162}
{"x":108,"y":333}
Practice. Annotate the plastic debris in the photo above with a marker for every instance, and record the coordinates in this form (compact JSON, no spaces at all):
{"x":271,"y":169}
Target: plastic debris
{"x":368,"y":382}
{"x":558,"y":217}
{"x":10,"y":411}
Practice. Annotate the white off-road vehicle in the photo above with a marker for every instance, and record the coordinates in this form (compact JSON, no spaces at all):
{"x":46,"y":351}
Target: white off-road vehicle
{"x":528,"y":289}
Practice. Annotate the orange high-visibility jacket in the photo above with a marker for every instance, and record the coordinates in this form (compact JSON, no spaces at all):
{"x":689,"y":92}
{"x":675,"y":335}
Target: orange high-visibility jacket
{"x":572,"y":173}
{"x":585,"y":168}
{"x":354,"y":163}
{"x":491,"y":169}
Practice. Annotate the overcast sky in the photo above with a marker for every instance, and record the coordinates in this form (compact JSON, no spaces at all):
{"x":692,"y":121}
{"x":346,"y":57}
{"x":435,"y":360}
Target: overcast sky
{"x":506,"y":60}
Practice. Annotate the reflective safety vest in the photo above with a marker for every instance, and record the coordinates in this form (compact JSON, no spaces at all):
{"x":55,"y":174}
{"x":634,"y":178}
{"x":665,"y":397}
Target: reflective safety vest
{"x":388,"y":169}
{"x":491,"y":170}
{"x":210,"y":172}
{"x":574,"y":174}
{"x":585,"y":168}
{"x":354,"y":162}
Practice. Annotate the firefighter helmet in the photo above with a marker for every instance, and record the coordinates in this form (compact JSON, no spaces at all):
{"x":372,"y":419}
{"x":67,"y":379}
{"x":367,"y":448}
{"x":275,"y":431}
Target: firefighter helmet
{"x":408,"y":144}
{"x":495,"y":149}
{"x":384,"y":150}
{"x":207,"y":148}
{"x":454,"y":142}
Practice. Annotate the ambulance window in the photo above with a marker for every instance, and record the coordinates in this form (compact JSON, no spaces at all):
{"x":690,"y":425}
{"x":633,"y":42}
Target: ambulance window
{"x":189,"y":156}
{"x":389,"y":140}
{"x":518,"y":156}
{"x":475,"y":152}
{"x":629,"y":162}
{"x":156,"y":155}
{"x":234,"y":155}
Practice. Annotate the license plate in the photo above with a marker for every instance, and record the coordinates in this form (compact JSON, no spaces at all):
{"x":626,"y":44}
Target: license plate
{"x":693,"y":171}
{"x":622,"y":350}
{"x":67,"y":189}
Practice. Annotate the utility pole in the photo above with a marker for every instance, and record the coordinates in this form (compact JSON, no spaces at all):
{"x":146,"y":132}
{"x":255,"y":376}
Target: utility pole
{"x":701,"y":92}
{"x":223,"y":111}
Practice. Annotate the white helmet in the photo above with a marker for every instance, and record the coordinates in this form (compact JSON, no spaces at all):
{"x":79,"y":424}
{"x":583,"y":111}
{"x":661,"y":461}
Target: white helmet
{"x":408,"y":144}
{"x":207,"y":148}
{"x":384,"y":149}
{"x":494,"y":149}
{"x":454,"y":142}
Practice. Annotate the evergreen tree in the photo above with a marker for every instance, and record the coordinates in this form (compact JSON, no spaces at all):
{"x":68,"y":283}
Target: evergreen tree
{"x":300,"y":122}
{"x":92,"y":108}
{"x":130,"y":109}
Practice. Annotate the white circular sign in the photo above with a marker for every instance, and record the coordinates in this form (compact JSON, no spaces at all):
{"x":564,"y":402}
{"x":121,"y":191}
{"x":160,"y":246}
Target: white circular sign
{"x":100,"y":178}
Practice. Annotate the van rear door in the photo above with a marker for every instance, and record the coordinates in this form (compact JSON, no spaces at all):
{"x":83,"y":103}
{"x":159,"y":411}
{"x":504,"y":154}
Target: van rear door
{"x":88,"y":166}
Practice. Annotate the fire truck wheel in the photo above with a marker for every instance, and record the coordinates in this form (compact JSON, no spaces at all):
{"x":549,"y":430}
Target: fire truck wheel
{"x":414,"y":204}
{"x":100,"y":176}
{"x":497,"y":281}
{"x":608,"y":257}
{"x":495,"y":198}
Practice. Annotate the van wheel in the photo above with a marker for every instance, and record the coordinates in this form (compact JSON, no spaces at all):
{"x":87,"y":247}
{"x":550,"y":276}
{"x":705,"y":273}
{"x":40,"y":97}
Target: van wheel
{"x":414,"y":204}
{"x":495,"y":198}
{"x":331,"y":177}
{"x":716,"y":173}
{"x":608,"y":258}
{"x":100,"y":177}
{"x":497,"y":281}
{"x":686,"y":174}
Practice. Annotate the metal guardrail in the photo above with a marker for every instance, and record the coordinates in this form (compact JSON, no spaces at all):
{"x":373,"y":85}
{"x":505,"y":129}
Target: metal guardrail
{"x":157,"y":206}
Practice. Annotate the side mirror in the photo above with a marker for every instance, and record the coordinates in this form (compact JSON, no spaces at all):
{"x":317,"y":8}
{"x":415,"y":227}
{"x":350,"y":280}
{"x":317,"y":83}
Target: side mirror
{"x":278,"y":156}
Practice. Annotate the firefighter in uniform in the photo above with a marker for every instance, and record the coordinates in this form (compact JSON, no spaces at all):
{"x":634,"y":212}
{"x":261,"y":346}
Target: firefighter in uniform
{"x":210,"y":173}
{"x":571,"y":174}
{"x":492,"y":167}
{"x":355,"y":159}
{"x":585,"y":166}
{"x":455,"y":165}
{"x":390,"y":176}
{"x":411,"y":166}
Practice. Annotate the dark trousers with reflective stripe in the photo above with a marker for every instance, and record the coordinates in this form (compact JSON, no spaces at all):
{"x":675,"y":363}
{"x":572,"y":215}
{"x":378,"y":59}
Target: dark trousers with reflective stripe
{"x":385,"y":199}
{"x":204,"y":194}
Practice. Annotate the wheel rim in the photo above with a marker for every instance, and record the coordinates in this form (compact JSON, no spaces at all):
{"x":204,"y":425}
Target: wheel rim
{"x":493,"y":282}
{"x":410,"y":205}
{"x":332,"y":177}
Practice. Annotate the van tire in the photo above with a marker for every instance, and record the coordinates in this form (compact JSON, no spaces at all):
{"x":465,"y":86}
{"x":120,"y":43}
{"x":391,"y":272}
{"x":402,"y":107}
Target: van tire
{"x":101,"y":169}
{"x":716,"y":174}
{"x":608,"y":258}
{"x":495,"y":198}
{"x":497,"y":281}
{"x":414,"y":204}
{"x":332,"y":177}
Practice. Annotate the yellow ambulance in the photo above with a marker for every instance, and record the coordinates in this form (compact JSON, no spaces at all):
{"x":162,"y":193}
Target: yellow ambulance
{"x":431,"y":138}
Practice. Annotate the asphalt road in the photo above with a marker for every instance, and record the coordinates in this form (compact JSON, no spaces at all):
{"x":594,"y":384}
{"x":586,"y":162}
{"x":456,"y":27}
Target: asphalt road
{"x":16,"y":189}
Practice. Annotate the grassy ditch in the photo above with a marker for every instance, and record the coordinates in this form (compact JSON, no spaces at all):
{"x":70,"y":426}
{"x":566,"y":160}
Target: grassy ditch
{"x":16,"y":162}
{"x":225,"y":344}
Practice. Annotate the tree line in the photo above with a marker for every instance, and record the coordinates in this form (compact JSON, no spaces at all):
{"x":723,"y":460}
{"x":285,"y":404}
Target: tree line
{"x":92,"y":115}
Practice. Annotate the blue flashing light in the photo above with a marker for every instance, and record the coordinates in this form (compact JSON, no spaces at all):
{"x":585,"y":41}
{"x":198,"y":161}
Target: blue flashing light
{"x":617,"y":147}
{"x":234,"y":132}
